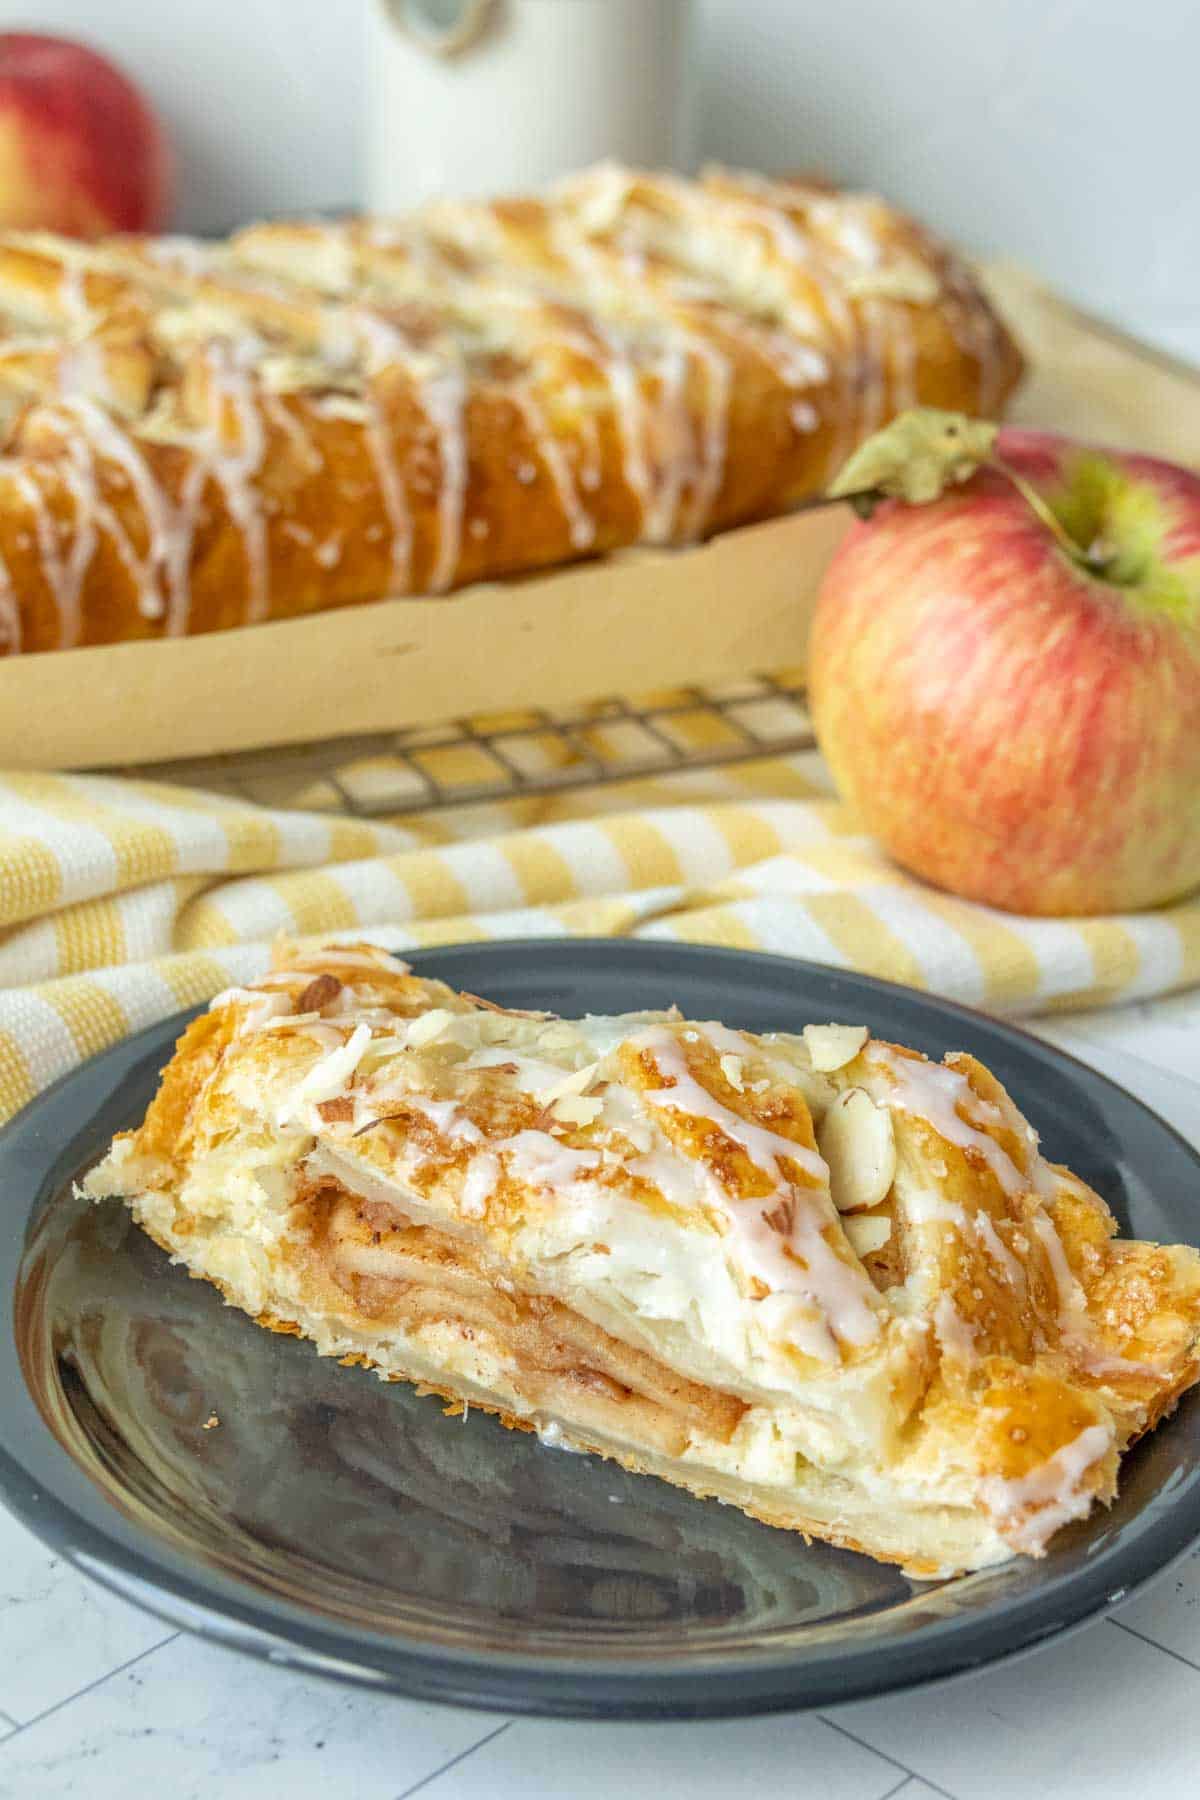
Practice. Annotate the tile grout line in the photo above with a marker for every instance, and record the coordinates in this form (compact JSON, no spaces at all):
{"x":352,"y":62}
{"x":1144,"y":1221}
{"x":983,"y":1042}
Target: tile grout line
{"x":912,"y":1774}
{"x":436,"y":1774}
{"x":1155,"y":1645}
{"x":49,"y":1711}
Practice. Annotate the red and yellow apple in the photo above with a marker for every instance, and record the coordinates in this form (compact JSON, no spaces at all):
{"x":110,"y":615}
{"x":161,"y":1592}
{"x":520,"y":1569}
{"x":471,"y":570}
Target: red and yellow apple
{"x":1014,"y":719}
{"x":81,"y":151}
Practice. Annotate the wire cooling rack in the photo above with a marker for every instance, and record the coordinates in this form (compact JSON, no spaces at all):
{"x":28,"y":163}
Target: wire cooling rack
{"x":513,"y":755}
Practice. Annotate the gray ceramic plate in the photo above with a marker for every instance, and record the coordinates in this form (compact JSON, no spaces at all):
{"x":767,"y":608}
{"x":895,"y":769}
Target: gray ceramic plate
{"x":334,"y":1523}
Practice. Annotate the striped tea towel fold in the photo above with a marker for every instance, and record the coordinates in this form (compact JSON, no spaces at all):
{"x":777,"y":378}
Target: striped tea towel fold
{"x":122,"y":901}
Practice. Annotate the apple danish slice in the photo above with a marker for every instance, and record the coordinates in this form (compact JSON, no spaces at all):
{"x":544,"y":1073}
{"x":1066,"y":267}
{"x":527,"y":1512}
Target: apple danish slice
{"x":816,"y":1276}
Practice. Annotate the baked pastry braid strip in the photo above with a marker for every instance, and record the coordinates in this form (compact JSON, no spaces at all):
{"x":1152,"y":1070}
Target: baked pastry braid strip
{"x":310,"y":416}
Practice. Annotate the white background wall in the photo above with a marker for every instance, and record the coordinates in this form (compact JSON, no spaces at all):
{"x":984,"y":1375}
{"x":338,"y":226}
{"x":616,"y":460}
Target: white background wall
{"x":1059,"y":131}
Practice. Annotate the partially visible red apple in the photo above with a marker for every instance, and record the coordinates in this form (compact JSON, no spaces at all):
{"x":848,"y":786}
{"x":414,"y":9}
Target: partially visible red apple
{"x":1015,"y":722}
{"x":80,"y":150}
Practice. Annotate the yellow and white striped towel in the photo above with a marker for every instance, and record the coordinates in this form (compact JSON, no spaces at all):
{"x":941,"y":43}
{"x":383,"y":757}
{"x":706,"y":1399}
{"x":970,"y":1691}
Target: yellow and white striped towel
{"x":122,"y":901}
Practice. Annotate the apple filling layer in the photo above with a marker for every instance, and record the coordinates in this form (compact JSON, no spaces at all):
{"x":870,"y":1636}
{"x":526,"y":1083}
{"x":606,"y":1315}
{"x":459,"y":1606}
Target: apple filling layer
{"x":815,"y":1275}
{"x":374,"y":1267}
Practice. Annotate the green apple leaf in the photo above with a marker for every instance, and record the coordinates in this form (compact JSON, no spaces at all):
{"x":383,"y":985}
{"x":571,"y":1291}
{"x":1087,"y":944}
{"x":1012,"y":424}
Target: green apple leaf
{"x":917,"y":457}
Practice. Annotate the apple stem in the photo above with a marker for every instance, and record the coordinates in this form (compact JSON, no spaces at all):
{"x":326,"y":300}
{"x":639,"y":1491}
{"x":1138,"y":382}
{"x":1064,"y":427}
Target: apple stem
{"x":1094,"y":560}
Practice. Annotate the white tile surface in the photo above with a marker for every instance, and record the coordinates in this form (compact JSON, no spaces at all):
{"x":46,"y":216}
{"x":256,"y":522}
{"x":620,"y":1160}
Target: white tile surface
{"x":191,"y":1722}
{"x":58,"y":1631}
{"x":1078,"y":1720}
{"x":1168,"y":1612}
{"x":731,"y":1760}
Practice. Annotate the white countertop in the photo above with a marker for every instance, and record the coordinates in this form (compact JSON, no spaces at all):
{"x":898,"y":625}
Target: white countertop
{"x":100,"y":1701}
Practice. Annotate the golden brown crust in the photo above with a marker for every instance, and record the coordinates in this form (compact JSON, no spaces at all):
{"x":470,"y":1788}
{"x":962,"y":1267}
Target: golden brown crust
{"x":311,"y":416}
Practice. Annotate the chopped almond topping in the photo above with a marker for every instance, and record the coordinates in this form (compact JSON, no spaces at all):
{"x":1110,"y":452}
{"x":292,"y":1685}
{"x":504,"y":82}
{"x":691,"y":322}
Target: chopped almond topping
{"x":337,"y":1112}
{"x":833,"y":1046}
{"x":428,"y":1027}
{"x":577,"y":1082}
{"x":509,"y":1012}
{"x":731,"y":1069}
{"x":572,"y":1109}
{"x":319,"y":992}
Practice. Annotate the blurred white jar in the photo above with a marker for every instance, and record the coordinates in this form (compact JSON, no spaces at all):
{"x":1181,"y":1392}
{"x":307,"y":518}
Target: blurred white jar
{"x":500,"y":96}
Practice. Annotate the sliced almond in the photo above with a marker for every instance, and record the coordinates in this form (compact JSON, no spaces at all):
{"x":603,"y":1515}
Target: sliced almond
{"x":855,"y":1137}
{"x":731,"y":1069}
{"x":910,"y":281}
{"x":867,"y":1234}
{"x":428,"y":1027}
{"x":577,"y":1082}
{"x":573,"y":1109}
{"x":833,"y":1046}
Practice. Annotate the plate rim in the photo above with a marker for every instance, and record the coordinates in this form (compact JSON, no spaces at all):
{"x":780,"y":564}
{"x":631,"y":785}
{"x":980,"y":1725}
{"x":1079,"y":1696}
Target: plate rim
{"x":148,"y":1572}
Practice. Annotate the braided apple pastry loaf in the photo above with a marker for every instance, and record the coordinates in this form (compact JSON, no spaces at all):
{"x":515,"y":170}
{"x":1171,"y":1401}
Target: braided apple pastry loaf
{"x":305,"y":416}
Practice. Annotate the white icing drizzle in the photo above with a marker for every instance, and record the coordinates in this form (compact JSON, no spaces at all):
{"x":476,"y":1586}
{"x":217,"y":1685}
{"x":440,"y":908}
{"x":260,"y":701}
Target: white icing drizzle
{"x":50,"y":554}
{"x":285,"y":421}
{"x":797,"y":364}
{"x":678,"y":464}
{"x":928,"y":1207}
{"x":1029,"y":1509}
{"x":446,"y":1117}
{"x":170,"y":528}
{"x":1072,"y":1303}
{"x":999,"y":1251}
{"x":714,"y":433}
{"x":934,"y":1093}
{"x":954,"y":1334}
{"x":179,"y":548}
{"x":479,"y":1183}
{"x":543,"y":1161}
{"x":391,"y":491}
{"x":105,"y":439}
{"x":81,"y":464}
{"x":580,"y":524}
{"x":10,"y":614}
{"x":645,"y":480}
{"x":443,"y":397}
{"x":442,"y":392}
{"x":798,"y":1259}
{"x":724,"y":1040}
{"x":72,"y":294}
{"x":326,"y":1080}
{"x":630,"y":412}
{"x":234,"y":470}
{"x":1074,"y":1320}
{"x":258,"y":1008}
{"x":83,"y":546}
{"x":687,"y":1095}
